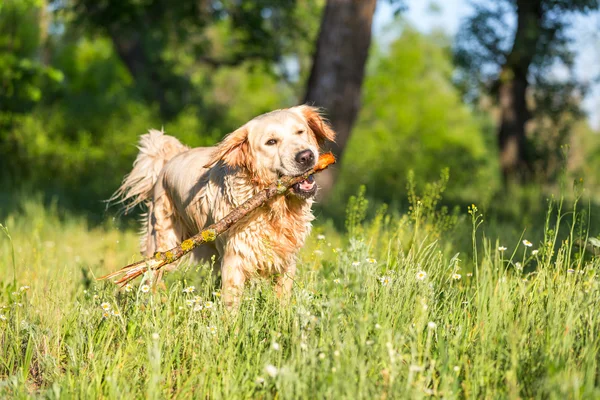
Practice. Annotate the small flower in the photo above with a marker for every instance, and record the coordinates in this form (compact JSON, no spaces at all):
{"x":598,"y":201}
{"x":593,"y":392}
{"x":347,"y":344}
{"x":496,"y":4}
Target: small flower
{"x":128,"y":287}
{"x":456,"y":368}
{"x":456,"y":276}
{"x":518,"y":266}
{"x":116,"y":313}
{"x":356,"y":263}
{"x":385,"y":280}
{"x":371,"y":261}
{"x":336,"y":353}
{"x":502,"y":248}
{"x":320,"y":237}
{"x":216,"y":294}
{"x":271,"y":370}
{"x":155,"y":336}
{"x":259,"y":380}
{"x":95,"y":297}
{"x":318,"y":252}
{"x":208,"y":305}
{"x":570,"y":271}
{"x":189,"y":302}
{"x":2,"y":317}
{"x":145,"y":288}
{"x":469,"y":274}
{"x":189,"y":289}
{"x":105,"y":315}
{"x":197,"y":307}
{"x":421,"y":275}
{"x":534,"y":252}
{"x":212,"y":329}
{"x":321,"y":356}
{"x":105,"y":306}
{"x":431,"y":325}
{"x":197,"y":299}
{"x":527,"y":243}
{"x":24,"y":288}
{"x":377,"y":326}
{"x":336,"y":281}
{"x":275,"y":346}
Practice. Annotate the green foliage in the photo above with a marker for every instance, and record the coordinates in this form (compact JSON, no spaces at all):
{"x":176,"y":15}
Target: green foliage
{"x":539,"y":42}
{"x":413,"y":119}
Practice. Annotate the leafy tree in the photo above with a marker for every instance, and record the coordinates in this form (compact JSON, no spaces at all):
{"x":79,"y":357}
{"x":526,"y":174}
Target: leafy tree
{"x":506,"y":63}
{"x":163,"y":42}
{"x":413,"y":118}
{"x":23,"y":71}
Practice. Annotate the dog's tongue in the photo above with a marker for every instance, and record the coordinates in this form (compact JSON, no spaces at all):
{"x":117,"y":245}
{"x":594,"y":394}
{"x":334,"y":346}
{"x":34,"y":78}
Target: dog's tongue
{"x":307,"y":184}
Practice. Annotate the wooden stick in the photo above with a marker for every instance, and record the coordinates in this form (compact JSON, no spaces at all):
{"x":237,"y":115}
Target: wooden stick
{"x":160,"y":259}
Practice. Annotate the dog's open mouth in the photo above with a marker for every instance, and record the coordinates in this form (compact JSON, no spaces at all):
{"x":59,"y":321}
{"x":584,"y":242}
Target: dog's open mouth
{"x":306,"y":188}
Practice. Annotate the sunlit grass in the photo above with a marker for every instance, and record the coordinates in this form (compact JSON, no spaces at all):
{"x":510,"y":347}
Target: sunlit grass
{"x":390,"y":309}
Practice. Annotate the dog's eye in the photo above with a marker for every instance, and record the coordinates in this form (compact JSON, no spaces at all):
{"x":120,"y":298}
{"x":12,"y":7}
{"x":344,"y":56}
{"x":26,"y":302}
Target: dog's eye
{"x":271,"y":142}
{"x":300,"y":132}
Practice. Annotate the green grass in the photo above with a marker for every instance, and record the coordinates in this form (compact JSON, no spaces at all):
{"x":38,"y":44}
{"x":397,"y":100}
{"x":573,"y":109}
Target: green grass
{"x":360,"y":324}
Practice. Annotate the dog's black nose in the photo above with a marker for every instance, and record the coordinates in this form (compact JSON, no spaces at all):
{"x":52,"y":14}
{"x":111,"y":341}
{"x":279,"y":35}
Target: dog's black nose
{"x":305,"y":158}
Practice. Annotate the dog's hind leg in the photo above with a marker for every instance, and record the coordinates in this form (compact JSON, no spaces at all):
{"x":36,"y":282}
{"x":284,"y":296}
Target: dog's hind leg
{"x":164,"y":230}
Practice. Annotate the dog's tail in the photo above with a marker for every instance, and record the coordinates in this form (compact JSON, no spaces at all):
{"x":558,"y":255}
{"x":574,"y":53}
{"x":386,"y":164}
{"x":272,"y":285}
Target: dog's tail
{"x":156,"y":149}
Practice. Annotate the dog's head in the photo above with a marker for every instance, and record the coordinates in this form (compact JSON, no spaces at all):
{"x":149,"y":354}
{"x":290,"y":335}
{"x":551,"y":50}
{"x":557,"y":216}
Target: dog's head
{"x":282,"y":142}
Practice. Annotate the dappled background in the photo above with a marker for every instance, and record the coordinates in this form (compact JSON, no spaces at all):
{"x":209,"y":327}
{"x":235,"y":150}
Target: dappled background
{"x":500,"y":94}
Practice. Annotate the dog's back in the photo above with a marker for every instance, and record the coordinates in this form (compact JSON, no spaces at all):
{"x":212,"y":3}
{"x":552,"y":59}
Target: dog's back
{"x":156,"y":149}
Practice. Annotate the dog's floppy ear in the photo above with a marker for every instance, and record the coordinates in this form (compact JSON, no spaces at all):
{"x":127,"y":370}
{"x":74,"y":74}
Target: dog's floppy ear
{"x":232,"y":150}
{"x":320,"y":127}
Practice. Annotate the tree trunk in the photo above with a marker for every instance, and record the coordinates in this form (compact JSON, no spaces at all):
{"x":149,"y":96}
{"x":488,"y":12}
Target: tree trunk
{"x":515,"y":162}
{"x":338,"y":71}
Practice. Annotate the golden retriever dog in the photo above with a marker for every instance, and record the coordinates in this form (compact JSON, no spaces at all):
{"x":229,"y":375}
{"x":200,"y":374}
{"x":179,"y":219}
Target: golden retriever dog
{"x":185,"y":190}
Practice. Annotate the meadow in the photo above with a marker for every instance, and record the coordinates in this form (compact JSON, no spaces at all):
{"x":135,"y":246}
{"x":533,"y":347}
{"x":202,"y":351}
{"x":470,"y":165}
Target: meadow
{"x":394,"y":306}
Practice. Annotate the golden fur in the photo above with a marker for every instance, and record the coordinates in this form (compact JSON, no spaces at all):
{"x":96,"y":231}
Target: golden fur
{"x":188,"y":189}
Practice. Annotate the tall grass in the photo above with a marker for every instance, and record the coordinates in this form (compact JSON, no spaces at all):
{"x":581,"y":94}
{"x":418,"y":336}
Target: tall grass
{"x":389,"y":309}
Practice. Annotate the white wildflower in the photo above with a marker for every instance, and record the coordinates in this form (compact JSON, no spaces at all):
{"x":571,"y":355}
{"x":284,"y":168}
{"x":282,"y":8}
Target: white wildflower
{"x":271,"y":370}
{"x":385,"y":280}
{"x":189,"y":289}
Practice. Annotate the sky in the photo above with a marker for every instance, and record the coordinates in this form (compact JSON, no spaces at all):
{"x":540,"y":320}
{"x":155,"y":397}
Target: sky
{"x":448,"y":16}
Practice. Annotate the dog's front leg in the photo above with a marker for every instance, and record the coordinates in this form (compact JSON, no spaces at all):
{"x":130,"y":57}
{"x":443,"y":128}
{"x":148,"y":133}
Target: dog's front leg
{"x":233,"y":279}
{"x":283,"y":289}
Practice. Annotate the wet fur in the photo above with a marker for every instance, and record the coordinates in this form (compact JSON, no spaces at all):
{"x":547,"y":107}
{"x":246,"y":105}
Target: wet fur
{"x":187,"y":189}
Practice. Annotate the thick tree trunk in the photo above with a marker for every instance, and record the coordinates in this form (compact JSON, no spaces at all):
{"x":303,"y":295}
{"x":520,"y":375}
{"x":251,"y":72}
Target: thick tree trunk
{"x":338,"y":71}
{"x":514,"y":113}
